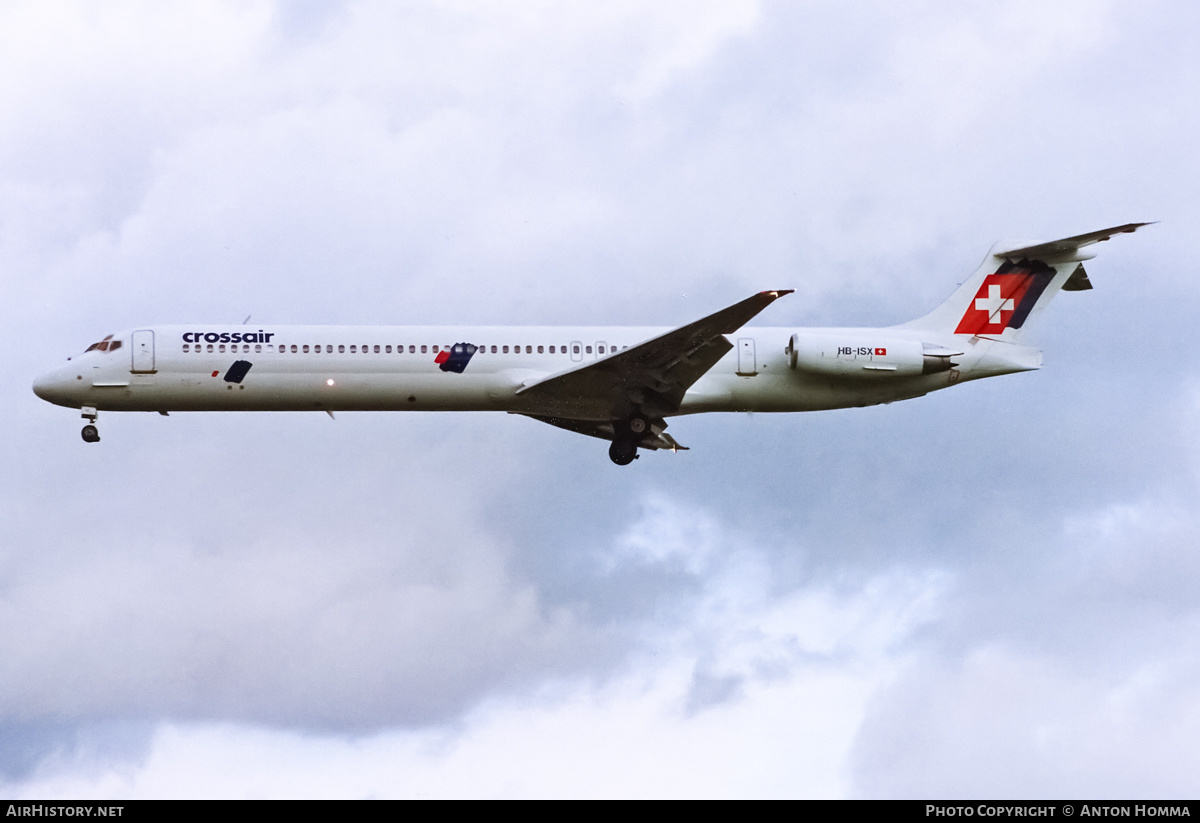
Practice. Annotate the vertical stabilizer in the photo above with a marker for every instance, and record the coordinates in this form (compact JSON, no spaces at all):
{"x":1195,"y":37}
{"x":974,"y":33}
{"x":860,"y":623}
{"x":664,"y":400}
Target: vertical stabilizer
{"x":1013,"y":286}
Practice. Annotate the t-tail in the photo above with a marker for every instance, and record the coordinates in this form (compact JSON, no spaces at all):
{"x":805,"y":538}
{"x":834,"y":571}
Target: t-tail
{"x":1013,"y":285}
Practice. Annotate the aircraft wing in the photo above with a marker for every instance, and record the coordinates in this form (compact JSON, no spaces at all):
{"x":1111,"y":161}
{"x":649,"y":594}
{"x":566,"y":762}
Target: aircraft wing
{"x":1068,"y":245}
{"x":650,"y":378}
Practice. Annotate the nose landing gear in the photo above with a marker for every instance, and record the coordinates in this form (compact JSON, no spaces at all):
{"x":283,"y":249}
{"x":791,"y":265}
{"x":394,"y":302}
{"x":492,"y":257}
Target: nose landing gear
{"x":90,"y":433}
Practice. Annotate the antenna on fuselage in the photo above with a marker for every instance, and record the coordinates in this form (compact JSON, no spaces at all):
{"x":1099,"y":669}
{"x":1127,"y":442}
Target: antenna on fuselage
{"x":247,"y":320}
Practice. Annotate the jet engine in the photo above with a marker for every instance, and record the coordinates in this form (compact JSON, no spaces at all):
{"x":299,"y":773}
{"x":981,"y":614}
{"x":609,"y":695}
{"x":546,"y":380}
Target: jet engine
{"x":867,"y":356}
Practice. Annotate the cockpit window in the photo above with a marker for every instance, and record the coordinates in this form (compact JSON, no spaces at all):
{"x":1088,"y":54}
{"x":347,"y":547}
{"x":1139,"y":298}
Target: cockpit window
{"x":102,"y":345}
{"x":107,"y":344}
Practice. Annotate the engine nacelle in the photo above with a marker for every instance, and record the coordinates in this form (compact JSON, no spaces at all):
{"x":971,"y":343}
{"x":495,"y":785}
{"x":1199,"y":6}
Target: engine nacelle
{"x":866,"y":356}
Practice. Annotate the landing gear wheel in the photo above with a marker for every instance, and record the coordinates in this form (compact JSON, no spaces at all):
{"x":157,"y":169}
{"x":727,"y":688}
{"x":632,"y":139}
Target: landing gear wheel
{"x":638,"y":425}
{"x":623,"y":452}
{"x":90,"y":434}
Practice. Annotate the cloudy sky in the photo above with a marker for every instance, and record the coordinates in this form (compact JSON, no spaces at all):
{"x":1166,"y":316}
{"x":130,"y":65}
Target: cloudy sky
{"x":989,"y":591}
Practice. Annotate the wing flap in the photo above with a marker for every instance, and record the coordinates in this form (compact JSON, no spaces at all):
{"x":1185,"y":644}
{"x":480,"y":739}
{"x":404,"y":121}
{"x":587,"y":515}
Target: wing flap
{"x":655,"y":438}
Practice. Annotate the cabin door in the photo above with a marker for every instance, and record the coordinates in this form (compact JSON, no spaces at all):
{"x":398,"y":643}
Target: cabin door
{"x":142,"y":352}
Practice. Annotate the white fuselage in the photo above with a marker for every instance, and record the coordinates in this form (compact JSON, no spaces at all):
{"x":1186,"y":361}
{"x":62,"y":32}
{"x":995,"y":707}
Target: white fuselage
{"x":615,"y":383}
{"x":395,"y":368}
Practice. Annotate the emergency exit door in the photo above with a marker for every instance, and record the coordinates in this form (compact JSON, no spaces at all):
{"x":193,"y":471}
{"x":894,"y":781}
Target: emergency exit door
{"x":747,"y":364}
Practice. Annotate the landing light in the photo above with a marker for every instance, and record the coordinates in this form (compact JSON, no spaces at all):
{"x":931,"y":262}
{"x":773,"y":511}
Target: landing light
{"x":329,"y":382}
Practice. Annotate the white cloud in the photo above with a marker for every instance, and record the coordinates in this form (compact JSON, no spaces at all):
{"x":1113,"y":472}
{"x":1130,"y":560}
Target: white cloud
{"x":806,"y":663}
{"x":868,"y":602}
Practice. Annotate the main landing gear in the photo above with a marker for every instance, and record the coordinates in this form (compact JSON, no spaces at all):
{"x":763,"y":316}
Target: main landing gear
{"x":623,"y":452}
{"x":626,"y":436}
{"x":90,"y":433}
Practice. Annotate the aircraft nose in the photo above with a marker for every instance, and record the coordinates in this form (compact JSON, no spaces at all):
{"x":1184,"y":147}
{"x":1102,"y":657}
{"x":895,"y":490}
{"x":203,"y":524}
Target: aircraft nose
{"x":53,"y":387}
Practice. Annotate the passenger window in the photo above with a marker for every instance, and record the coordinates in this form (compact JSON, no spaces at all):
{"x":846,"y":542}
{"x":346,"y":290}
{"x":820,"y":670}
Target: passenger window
{"x":305,"y":349}
{"x":493,"y":349}
{"x":185,"y":347}
{"x":341,"y":348}
{"x":222,"y":347}
{"x":576,"y":349}
{"x":377,"y":348}
{"x":541,"y":350}
{"x":293,"y":348}
{"x":354,"y":349}
{"x":412,"y":349}
{"x":388,"y":349}
{"x":257,"y":348}
{"x":552,"y":350}
{"x":600,"y":349}
{"x":210,"y":347}
{"x":506,"y":349}
{"x":435,"y":348}
{"x":424,"y":349}
{"x":587,"y":349}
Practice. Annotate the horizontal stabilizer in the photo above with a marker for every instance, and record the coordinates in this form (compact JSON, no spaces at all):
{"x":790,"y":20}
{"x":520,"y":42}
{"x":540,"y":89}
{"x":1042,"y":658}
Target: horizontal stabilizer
{"x":1068,"y":246}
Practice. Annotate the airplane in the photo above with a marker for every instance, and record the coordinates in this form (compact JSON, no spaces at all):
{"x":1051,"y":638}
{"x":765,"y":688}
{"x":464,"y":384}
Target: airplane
{"x":618,"y":384}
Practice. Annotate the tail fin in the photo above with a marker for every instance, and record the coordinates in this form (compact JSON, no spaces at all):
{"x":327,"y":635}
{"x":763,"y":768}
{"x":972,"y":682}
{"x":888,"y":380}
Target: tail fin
{"x":1013,"y":286}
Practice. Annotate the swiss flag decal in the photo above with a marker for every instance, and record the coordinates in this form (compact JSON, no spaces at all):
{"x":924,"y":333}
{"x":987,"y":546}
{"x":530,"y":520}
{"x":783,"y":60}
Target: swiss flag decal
{"x":994,"y":304}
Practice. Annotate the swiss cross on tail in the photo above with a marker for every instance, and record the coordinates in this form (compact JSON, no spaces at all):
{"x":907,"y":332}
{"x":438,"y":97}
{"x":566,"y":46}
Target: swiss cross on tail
{"x":1006,"y":298}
